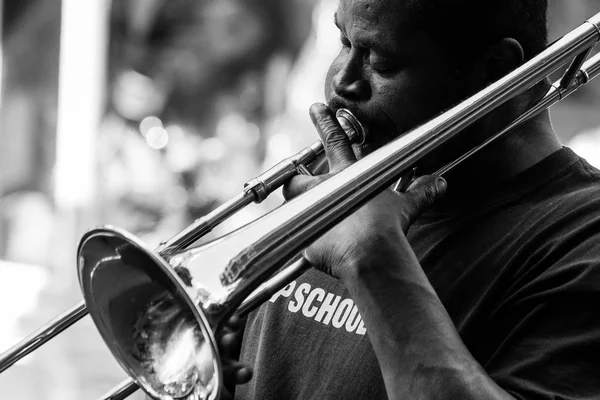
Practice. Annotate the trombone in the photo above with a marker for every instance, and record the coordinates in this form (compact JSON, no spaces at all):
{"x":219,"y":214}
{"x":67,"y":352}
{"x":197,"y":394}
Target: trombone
{"x":158,"y":310}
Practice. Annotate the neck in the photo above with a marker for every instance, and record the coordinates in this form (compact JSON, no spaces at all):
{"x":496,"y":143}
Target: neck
{"x":507,"y":157}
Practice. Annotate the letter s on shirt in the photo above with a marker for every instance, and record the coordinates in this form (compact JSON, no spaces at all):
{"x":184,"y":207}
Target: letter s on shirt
{"x":296,"y":304}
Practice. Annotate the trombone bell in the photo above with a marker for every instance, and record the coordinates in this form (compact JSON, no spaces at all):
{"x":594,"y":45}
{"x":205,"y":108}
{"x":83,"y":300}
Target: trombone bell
{"x":147,"y":317}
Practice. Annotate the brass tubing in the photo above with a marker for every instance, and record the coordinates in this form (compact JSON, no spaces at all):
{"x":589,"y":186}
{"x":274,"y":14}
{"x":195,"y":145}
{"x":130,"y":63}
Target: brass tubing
{"x":306,"y":217}
{"x":588,"y":71}
{"x":258,"y":188}
{"x":42,"y":335}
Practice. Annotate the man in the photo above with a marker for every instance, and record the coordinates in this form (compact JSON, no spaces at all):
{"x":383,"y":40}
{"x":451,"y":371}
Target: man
{"x":488,"y":292}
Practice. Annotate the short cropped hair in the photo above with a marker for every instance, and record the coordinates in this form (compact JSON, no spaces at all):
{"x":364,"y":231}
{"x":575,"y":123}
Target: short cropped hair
{"x":473,"y":25}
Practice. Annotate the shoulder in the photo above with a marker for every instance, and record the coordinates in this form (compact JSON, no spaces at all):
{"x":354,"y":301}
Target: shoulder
{"x":559,"y":234}
{"x":571,"y":192}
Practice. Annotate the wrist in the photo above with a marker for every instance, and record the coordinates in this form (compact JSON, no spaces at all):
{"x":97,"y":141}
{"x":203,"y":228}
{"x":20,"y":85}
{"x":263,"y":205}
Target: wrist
{"x":387,"y":255}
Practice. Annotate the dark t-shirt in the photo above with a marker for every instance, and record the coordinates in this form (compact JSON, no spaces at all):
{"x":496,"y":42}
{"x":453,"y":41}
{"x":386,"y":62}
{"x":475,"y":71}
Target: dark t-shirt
{"x":517,"y":268}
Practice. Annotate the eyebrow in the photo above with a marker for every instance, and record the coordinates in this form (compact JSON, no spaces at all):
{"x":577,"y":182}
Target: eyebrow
{"x":374,"y":45}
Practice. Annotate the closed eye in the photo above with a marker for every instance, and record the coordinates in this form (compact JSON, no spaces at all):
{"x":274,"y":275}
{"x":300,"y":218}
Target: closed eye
{"x":380,"y":64}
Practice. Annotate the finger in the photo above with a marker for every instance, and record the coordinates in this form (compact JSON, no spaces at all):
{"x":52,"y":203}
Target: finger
{"x":235,"y":374}
{"x":235,"y":322}
{"x":243,"y":375}
{"x":230,"y":345}
{"x":423,"y":193}
{"x":337,"y":145}
{"x":300,"y":184}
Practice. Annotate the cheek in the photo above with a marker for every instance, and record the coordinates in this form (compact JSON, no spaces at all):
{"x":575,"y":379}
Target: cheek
{"x":398,"y":103}
{"x":331,"y":72}
{"x":411,"y":101}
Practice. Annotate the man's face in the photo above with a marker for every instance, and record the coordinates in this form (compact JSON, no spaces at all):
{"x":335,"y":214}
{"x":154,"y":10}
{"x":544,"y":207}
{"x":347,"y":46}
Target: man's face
{"x":388,"y":72}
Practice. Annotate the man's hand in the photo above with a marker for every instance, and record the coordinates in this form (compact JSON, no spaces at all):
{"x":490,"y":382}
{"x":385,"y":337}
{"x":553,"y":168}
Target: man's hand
{"x":229,"y":343}
{"x":414,"y":339}
{"x":370,"y":236}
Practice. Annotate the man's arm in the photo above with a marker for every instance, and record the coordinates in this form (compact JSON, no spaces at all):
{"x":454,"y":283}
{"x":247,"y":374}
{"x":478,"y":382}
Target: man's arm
{"x":418,"y":348}
{"x":420,"y":353}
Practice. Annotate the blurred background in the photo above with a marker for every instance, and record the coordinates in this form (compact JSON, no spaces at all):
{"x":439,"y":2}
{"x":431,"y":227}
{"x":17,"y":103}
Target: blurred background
{"x":146,"y":114}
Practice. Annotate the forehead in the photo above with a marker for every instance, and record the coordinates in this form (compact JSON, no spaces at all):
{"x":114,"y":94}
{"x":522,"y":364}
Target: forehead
{"x":393,"y":27}
{"x":391,"y":16}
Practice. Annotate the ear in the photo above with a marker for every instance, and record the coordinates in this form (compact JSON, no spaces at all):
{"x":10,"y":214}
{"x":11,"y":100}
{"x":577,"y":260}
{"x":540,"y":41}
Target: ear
{"x":493,"y":63}
{"x":501,"y":58}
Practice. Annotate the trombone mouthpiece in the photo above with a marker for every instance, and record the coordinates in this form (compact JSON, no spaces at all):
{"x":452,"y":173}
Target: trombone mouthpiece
{"x":352,"y":126}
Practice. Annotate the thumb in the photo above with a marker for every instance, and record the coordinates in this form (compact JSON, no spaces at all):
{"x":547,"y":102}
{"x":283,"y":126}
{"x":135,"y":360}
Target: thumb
{"x":337,"y":144}
{"x":422,"y":194}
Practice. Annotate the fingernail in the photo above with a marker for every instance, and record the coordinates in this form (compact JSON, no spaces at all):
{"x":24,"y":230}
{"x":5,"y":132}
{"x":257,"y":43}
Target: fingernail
{"x":441,"y":184}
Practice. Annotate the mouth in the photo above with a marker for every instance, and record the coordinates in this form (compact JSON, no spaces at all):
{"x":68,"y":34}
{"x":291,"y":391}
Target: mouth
{"x":375,"y":133}
{"x":357,"y":116}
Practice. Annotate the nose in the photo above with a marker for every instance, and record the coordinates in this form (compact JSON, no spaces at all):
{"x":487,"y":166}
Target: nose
{"x":348,"y":81}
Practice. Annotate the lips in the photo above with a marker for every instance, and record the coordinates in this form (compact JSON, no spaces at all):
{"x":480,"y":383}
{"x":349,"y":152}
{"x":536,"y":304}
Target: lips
{"x":377,"y":131}
{"x":335,"y":105}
